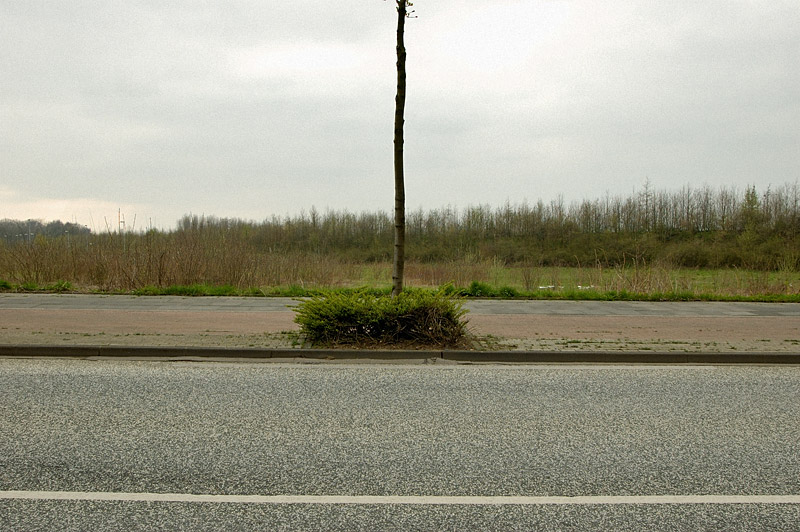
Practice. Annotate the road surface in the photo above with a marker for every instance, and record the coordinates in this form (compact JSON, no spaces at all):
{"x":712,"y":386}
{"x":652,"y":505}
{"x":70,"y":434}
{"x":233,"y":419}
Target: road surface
{"x":365,"y":447}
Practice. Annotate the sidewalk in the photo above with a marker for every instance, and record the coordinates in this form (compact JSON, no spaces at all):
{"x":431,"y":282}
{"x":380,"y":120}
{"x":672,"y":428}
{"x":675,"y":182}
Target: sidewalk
{"x":508,"y":331}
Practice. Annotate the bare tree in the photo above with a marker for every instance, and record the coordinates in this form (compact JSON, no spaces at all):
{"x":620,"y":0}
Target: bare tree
{"x":398,"y":263}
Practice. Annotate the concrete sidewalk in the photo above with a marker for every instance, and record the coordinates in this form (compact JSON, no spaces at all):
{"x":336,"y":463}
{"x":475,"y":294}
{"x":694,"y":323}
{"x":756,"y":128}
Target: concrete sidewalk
{"x":505,"y":331}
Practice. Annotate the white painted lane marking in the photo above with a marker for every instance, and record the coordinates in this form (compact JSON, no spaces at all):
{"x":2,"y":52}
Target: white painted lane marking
{"x":399,"y":499}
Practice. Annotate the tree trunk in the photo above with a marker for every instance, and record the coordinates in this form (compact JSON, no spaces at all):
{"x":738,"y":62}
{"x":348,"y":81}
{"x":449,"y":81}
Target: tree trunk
{"x":398,"y":263}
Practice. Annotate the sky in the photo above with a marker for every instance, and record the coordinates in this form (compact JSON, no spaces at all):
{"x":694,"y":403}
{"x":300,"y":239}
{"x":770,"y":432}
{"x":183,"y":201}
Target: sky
{"x":152,"y":109}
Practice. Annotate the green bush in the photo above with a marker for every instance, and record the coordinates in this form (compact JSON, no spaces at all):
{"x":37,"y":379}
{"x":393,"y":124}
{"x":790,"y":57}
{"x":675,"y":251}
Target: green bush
{"x":478,"y":289}
{"x":5,"y":285}
{"x":508,"y":292}
{"x":417,"y":318}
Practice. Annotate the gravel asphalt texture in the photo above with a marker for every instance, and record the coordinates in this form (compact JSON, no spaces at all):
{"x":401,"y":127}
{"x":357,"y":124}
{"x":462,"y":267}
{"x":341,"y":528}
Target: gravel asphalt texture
{"x":320,"y":429}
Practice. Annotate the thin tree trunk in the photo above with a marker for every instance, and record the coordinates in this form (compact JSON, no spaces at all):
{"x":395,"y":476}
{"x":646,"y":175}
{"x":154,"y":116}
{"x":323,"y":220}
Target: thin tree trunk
{"x":398,"y":263}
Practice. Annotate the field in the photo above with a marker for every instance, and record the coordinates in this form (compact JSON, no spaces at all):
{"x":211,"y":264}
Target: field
{"x":299,"y":275}
{"x":688,"y":244}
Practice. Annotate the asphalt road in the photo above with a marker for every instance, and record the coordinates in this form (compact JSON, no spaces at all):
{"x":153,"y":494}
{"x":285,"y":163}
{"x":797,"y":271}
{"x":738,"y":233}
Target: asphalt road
{"x":144,"y":428}
{"x":479,"y":307}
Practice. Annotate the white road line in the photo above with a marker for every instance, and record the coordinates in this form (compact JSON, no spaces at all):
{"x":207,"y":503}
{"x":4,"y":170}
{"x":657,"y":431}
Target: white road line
{"x":399,"y":499}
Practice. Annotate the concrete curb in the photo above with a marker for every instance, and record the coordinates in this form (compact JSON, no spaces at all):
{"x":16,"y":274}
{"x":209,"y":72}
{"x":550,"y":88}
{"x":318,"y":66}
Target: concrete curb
{"x":552,"y":357}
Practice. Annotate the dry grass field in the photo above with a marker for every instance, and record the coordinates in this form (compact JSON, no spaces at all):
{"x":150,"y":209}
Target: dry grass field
{"x":687,"y":244}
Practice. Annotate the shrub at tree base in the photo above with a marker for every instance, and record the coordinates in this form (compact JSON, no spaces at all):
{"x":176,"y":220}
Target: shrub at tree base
{"x":413,"y":318}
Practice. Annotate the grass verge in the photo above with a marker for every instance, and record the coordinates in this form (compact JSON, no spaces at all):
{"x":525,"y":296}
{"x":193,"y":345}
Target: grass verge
{"x":475,"y":289}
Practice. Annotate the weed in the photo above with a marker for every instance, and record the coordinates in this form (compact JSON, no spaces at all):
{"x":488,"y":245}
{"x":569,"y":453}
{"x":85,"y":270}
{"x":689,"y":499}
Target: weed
{"x":59,"y":287}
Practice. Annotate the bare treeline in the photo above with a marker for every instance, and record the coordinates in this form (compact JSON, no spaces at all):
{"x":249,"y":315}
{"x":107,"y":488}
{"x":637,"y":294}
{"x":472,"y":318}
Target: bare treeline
{"x":688,"y":227}
{"x":688,"y":210}
{"x":26,"y":231}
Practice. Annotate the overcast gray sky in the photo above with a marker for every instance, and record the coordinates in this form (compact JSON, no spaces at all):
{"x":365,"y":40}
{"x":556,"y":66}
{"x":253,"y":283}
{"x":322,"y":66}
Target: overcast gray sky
{"x":249,"y":108}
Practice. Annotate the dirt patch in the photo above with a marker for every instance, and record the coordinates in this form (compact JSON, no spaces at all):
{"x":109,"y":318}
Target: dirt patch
{"x":153,"y":328}
{"x":528,"y":332}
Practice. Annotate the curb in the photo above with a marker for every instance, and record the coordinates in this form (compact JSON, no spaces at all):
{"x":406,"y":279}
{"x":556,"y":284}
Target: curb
{"x":552,"y":357}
